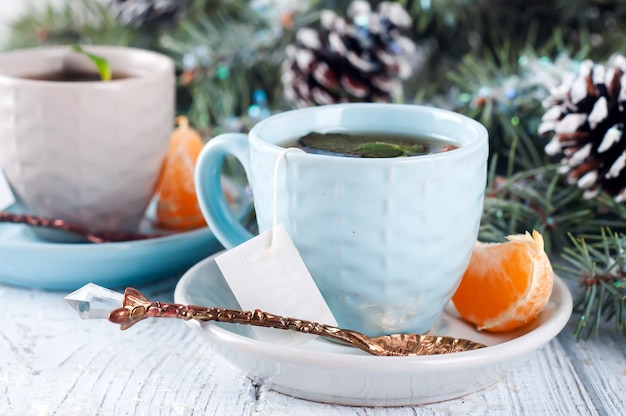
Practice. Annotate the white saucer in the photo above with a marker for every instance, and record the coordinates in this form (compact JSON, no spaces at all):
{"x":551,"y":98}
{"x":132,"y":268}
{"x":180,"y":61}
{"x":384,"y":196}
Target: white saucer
{"x":28,"y":260}
{"x":327,"y":372}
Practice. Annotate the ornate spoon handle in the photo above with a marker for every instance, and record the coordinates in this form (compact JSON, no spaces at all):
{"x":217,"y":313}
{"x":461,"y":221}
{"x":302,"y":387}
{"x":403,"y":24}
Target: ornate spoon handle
{"x":137,"y":307}
{"x":58,"y":224}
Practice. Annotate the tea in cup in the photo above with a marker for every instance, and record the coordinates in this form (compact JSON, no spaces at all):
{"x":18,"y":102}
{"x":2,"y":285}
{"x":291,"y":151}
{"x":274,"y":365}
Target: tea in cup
{"x":386,"y":239}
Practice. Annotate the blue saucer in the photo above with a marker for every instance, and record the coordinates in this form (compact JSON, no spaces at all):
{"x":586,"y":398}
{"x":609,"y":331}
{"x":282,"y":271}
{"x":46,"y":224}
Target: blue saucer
{"x":29,"y":261}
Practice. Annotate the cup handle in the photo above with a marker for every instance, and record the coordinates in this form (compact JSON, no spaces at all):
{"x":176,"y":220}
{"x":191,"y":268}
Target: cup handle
{"x":228,"y":231}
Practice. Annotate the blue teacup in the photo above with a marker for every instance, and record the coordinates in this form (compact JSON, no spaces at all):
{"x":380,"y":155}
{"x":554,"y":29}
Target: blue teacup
{"x":386,"y":239}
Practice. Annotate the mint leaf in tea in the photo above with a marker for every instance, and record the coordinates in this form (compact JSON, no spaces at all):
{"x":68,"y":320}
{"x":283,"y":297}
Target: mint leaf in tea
{"x":101,"y":64}
{"x":370,"y":145}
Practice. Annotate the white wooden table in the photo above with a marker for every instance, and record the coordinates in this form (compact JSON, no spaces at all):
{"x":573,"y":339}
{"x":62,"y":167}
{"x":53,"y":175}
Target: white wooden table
{"x":53,"y":363}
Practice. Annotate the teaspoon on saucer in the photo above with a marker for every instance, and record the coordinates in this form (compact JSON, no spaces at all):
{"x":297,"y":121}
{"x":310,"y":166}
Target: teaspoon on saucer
{"x":76,"y":229}
{"x":136,"y":307}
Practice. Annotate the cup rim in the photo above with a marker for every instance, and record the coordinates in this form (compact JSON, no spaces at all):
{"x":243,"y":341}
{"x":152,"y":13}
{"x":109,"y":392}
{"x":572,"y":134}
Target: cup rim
{"x":157,"y":63}
{"x":481,"y":133}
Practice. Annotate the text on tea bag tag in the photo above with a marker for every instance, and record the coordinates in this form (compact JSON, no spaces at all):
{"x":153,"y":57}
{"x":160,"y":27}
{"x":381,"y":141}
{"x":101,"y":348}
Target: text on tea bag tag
{"x":267,"y":273}
{"x":6,"y":195}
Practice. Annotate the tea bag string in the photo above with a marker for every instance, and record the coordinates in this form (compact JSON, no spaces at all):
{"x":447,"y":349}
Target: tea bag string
{"x":281,"y":156}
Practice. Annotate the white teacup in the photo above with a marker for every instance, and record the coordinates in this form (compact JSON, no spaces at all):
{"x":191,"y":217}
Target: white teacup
{"x":386,"y":240}
{"x":86,"y":152}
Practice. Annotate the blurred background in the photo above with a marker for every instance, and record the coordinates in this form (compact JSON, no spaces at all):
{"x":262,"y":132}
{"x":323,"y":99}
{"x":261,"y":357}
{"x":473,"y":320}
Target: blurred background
{"x":546,"y":77}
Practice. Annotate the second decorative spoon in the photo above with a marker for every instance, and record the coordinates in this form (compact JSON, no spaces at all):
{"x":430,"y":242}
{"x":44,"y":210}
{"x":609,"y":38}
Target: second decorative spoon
{"x":62,"y":225}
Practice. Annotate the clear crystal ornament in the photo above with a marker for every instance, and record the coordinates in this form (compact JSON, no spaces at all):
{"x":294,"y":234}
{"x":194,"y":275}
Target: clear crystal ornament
{"x":94,"y":302}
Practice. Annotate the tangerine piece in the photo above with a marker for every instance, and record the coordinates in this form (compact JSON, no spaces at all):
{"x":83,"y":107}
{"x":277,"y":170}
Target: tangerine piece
{"x":506,"y":284}
{"x":177,"y":205}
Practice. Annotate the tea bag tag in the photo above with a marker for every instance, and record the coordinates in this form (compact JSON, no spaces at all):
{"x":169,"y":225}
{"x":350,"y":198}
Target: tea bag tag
{"x":6,"y":195}
{"x":267,"y":273}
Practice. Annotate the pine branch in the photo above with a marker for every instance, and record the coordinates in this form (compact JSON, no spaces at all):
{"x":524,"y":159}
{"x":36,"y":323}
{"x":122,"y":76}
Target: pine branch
{"x":541,"y":199}
{"x":453,"y":23}
{"x":598,"y":264}
{"x":503,"y":87}
{"x":79,"y":22}
{"x":222,"y":63}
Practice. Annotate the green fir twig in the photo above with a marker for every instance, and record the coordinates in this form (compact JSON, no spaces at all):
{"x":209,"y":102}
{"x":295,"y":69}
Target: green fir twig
{"x":598,"y":264}
{"x":541,"y":199}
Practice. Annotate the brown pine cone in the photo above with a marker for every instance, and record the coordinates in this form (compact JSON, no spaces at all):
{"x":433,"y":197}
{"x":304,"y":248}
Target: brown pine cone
{"x":363,"y":60}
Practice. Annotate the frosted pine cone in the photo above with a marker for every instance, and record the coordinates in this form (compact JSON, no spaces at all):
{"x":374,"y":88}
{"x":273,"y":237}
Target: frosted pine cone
{"x":585,"y":115}
{"x":346,"y":62}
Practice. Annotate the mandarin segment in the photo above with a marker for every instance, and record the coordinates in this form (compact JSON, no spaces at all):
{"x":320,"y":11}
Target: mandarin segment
{"x":177,"y":205}
{"x":506,"y":284}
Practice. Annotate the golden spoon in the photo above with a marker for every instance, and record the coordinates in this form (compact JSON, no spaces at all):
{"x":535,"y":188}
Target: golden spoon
{"x":136,"y":307}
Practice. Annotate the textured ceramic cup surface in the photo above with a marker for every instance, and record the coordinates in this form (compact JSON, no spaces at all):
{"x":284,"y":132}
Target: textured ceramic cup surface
{"x":386,"y":240}
{"x":87,"y":152}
